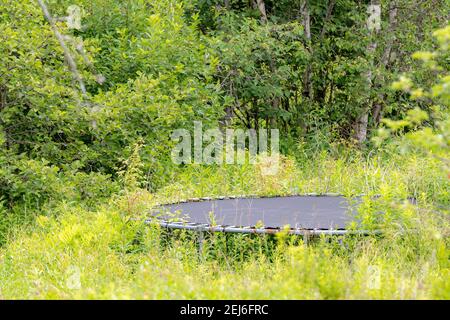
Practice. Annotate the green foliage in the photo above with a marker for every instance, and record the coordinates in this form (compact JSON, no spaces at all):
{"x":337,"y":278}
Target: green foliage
{"x":30,"y":187}
{"x":261,"y":67}
{"x":275,"y":75}
{"x":132,"y":171}
{"x":43,"y":118}
{"x":103,"y":254}
{"x":435,"y":140}
{"x":78,"y":172}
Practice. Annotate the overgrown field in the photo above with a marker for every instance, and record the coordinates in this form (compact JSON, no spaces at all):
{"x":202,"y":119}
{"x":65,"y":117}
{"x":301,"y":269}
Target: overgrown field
{"x":94,"y":95}
{"x":109,"y":253}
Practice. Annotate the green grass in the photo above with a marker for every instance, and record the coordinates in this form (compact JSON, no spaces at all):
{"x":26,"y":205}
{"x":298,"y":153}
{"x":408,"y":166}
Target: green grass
{"x":114,"y":256}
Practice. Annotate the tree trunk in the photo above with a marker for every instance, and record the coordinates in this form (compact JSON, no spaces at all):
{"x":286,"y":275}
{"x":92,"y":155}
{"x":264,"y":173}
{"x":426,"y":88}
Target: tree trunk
{"x":307,"y":89}
{"x":378,"y":105}
{"x":226,"y":121}
{"x":69,"y":59}
{"x":330,"y":8}
{"x":262,"y":9}
{"x":361,"y":123}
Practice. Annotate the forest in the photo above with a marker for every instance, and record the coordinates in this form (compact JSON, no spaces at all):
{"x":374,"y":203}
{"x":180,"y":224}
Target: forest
{"x":97,"y":98}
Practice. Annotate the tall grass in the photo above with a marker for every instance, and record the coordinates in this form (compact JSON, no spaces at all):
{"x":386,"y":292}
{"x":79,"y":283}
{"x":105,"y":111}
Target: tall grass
{"x":107,"y":253}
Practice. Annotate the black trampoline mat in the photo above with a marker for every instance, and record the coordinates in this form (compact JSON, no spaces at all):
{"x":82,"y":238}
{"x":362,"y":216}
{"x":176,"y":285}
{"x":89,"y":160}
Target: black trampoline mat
{"x":308,"y":212}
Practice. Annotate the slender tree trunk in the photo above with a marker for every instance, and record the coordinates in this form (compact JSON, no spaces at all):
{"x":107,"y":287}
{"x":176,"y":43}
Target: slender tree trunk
{"x":2,"y":97}
{"x":229,"y":113}
{"x":276,"y":101}
{"x":306,"y":20}
{"x":378,"y":105}
{"x":361,"y":123}
{"x":229,"y":110}
{"x":226,"y":121}
{"x":307,"y":88}
{"x":328,"y":16}
{"x":262,"y":9}
{"x":69,"y":59}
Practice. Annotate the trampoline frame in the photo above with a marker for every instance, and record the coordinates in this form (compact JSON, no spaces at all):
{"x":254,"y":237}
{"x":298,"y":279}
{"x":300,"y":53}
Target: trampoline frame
{"x":202,"y":227}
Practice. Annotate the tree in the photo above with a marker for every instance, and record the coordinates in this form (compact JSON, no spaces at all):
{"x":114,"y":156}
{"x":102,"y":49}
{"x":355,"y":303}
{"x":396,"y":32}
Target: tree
{"x":435,"y":140}
{"x":338,"y":86}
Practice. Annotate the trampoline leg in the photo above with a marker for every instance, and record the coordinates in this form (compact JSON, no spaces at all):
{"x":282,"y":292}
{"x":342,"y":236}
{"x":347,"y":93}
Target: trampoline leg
{"x":200,"y":241}
{"x":306,"y":236}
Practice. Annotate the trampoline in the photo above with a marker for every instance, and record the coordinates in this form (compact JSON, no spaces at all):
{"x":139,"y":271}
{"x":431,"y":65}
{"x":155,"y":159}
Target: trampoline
{"x":310,"y":214}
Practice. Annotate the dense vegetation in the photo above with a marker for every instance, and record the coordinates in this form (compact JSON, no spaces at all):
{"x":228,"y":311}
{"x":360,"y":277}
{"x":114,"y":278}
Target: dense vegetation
{"x":87,"y":112}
